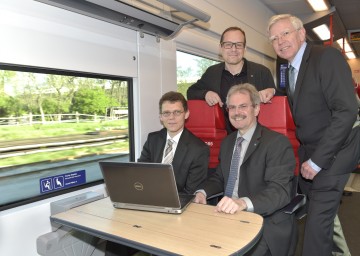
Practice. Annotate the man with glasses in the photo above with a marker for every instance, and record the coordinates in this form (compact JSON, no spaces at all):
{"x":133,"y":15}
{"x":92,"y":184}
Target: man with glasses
{"x":219,"y":78}
{"x":176,"y":145}
{"x":256,"y":170}
{"x":188,"y":154}
{"x":321,"y":97}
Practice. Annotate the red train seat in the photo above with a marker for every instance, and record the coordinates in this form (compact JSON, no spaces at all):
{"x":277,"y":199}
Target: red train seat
{"x":207,"y":123}
{"x":277,"y":116}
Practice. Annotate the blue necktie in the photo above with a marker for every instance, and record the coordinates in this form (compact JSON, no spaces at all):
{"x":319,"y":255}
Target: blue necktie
{"x":234,"y":168}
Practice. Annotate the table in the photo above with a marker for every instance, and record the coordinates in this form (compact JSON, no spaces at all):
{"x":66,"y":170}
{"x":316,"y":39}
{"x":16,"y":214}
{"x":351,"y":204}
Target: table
{"x":197,"y":231}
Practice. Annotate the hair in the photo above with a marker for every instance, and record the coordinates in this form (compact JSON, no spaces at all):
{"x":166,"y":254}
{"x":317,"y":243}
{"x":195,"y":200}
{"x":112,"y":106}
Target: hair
{"x":173,"y":97}
{"x":233,"y":29}
{"x":295,"y":21}
{"x":245,"y":88}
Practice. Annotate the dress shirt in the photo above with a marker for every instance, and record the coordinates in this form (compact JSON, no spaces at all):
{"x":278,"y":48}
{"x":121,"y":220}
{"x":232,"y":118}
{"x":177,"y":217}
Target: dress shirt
{"x":176,"y":139}
{"x":247,"y":138}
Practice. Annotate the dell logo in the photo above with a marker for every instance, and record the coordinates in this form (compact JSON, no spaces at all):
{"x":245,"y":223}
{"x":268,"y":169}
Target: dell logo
{"x":138,"y":186}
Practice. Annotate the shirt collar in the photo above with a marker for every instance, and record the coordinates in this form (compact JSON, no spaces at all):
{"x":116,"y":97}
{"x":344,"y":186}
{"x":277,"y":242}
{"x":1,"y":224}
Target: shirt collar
{"x":248,"y":135}
{"x":176,"y":138}
{"x":298,"y":57}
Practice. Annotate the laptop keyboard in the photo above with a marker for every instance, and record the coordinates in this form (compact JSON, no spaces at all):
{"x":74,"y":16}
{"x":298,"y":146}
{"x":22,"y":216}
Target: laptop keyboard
{"x":184,"y":199}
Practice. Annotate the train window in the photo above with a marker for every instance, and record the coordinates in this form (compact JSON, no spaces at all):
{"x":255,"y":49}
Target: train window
{"x":189,"y":69}
{"x":55,"y":126}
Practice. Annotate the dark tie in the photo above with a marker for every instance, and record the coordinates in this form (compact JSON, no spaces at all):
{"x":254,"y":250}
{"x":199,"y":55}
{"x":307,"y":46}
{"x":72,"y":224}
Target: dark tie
{"x":234,"y":168}
{"x":168,"y":157}
{"x":292,"y":80}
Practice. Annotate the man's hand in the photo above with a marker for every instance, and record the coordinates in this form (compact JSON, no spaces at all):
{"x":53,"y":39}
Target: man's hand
{"x":212,"y":98}
{"x":307,"y":172}
{"x":199,"y":198}
{"x":229,"y":205}
{"x":266,"y":95}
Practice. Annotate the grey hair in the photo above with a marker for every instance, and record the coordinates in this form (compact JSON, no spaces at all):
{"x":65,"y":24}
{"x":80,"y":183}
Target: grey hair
{"x":295,"y":21}
{"x":245,"y":88}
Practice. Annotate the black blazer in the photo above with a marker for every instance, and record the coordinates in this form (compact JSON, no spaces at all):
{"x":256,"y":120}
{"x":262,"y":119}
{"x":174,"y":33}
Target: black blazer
{"x":324,"y":110}
{"x":190,"y":161}
{"x":257,"y":75}
{"x":266,"y":176}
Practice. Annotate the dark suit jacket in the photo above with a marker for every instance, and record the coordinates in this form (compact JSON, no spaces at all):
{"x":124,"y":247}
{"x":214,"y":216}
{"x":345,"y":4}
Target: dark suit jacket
{"x":324,"y":111}
{"x":257,"y":75}
{"x":190,"y":161}
{"x":266,"y":176}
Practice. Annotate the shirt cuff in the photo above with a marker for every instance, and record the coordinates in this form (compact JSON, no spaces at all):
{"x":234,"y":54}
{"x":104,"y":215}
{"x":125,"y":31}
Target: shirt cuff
{"x":201,"y":191}
{"x":314,"y":166}
{"x":250,"y":206}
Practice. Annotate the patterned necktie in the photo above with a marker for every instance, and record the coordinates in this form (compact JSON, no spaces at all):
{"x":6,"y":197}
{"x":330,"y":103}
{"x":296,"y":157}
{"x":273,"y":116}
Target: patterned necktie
{"x":292,"y":80}
{"x":168,"y":156}
{"x":234,"y":168}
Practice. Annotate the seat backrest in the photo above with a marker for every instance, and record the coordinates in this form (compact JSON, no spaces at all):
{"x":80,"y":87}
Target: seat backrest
{"x":277,"y":116}
{"x":207,"y":123}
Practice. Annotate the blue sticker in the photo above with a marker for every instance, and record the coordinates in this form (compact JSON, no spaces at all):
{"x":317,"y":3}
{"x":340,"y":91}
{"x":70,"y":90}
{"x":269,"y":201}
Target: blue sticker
{"x":62,"y":181}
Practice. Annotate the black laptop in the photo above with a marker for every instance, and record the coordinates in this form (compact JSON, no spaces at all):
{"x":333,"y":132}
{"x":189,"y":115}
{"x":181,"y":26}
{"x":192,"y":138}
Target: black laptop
{"x":143,"y":186}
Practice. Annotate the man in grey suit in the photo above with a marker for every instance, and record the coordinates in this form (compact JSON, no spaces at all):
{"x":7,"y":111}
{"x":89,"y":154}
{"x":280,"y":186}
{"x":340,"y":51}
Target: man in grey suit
{"x":190,"y":154}
{"x":322,"y":101}
{"x":263,"y":174}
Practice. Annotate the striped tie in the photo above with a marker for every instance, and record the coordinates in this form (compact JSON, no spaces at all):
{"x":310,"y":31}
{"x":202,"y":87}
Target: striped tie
{"x":168,"y":156}
{"x":234,"y":168}
{"x":292,"y":80}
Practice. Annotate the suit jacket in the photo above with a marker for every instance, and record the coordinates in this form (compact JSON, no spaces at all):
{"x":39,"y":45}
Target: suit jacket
{"x":324,"y":109}
{"x":257,"y":75}
{"x":266,"y":176}
{"x":190,"y":161}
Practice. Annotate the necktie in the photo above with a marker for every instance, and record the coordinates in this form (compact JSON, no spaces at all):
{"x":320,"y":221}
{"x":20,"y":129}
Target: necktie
{"x":234,"y":168}
{"x":168,"y":156}
{"x":292,"y":80}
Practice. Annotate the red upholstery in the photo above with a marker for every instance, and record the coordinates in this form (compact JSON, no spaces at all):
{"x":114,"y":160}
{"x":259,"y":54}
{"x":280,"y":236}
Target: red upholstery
{"x":207,"y":123}
{"x":277,"y":116}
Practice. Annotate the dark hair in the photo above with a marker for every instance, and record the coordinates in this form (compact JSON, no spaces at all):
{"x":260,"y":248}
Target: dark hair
{"x":233,"y":29}
{"x":173,"y":97}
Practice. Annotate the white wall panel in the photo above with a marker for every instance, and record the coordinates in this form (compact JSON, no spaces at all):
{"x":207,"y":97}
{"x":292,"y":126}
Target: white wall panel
{"x":41,"y":35}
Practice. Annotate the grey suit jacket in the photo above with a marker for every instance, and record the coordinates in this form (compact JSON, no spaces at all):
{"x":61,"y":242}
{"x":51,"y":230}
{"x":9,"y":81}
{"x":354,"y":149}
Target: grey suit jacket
{"x":190,"y":161}
{"x":324,"y":111}
{"x":266,"y":176}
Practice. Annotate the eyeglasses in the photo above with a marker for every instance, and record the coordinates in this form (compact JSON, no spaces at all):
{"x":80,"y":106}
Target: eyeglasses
{"x":229,"y":45}
{"x":242,"y":107}
{"x":168,"y":113}
{"x":283,"y":35}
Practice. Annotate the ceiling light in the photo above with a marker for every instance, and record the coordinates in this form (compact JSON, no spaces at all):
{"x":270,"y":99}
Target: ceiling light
{"x":350,"y":55}
{"x":318,"y":5}
{"x":322,"y":32}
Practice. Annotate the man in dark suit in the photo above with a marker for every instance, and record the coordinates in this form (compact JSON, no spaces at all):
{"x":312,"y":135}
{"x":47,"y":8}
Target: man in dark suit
{"x":263,"y":182}
{"x":324,"y":108}
{"x":215,"y":83}
{"x":190,"y":154}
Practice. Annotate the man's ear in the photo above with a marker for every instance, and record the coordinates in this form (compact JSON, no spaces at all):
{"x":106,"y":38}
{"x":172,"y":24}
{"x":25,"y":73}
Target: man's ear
{"x":187,"y":114}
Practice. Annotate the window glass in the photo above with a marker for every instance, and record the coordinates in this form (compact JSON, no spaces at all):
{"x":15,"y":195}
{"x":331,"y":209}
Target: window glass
{"x":189,"y":69}
{"x":54,"y":128}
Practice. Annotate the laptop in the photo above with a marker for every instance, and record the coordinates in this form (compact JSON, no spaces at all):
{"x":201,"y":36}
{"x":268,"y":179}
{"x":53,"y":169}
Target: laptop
{"x":143,"y":186}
